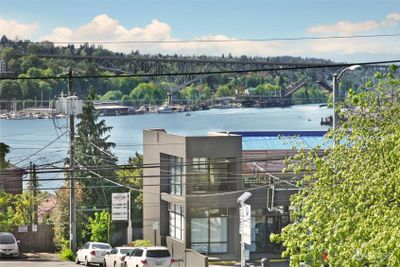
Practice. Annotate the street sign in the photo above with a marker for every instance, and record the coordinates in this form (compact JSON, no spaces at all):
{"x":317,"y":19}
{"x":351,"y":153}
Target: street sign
{"x":23,"y":229}
{"x":246,"y":254}
{"x":119,"y":206}
{"x":245,"y":222}
{"x":155,"y":225}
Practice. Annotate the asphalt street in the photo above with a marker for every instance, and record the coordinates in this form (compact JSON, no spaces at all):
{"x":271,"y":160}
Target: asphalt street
{"x":51,"y":260}
{"x":35,"y":260}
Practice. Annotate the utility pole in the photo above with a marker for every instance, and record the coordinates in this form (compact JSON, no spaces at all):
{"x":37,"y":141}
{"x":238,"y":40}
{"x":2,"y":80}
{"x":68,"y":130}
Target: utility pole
{"x":72,"y":201}
{"x":129,"y":230}
{"x":33,"y":188}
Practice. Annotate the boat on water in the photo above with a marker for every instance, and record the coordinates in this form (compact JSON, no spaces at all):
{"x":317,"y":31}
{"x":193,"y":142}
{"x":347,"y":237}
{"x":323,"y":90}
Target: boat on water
{"x":165,"y":109}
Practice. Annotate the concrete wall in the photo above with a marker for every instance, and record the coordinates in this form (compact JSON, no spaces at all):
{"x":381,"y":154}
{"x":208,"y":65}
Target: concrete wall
{"x":185,"y":257}
{"x":156,"y":142}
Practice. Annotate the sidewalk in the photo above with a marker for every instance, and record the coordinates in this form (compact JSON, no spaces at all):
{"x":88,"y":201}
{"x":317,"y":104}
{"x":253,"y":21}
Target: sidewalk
{"x":39,"y":256}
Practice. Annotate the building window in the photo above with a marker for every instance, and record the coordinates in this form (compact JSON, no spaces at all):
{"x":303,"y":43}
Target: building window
{"x":208,"y":175}
{"x":176,"y":222}
{"x":209,"y":231}
{"x":175,"y":170}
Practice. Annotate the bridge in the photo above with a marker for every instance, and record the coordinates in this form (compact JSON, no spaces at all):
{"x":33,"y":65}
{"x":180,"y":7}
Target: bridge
{"x":159,"y":64}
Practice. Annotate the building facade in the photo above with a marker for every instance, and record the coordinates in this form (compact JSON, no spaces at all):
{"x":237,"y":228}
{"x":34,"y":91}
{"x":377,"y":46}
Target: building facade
{"x":191,"y":185}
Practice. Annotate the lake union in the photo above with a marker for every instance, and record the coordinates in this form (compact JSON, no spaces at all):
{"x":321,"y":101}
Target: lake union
{"x":27,"y":137}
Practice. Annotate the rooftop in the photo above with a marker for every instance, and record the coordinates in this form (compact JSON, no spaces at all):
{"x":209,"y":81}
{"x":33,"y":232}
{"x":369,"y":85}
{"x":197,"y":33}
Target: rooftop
{"x":283,"y":140}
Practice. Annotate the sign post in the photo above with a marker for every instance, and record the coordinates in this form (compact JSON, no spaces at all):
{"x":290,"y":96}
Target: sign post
{"x":120,"y":210}
{"x":244,"y":227}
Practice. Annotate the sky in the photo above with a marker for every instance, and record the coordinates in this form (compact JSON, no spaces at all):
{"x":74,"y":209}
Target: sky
{"x":123,"y":21}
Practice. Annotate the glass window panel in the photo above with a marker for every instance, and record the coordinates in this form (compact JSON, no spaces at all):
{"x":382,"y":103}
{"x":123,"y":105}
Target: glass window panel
{"x":199,"y":229}
{"x":200,"y":247}
{"x":218,"y":229}
{"x":218,"y":247}
{"x":178,"y":233}
{"x":178,"y":220}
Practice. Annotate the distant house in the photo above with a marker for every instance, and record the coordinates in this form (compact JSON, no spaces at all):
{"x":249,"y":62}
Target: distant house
{"x":11,"y":179}
{"x":46,"y":208}
{"x":111,"y":109}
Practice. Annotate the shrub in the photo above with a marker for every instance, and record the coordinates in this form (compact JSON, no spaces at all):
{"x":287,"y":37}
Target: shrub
{"x":67,"y":254}
{"x":141,"y":243}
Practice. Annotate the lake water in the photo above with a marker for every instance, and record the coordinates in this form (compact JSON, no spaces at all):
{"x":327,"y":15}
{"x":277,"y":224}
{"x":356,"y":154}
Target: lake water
{"x":27,"y":137}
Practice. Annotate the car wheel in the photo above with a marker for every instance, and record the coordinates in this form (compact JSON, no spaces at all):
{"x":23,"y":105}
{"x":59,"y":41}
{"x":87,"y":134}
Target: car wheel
{"x":87,"y":262}
{"x":77,"y":260}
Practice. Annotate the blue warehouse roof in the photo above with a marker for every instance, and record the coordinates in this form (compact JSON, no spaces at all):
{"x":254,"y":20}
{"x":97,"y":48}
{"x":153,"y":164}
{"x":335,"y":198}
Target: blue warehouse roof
{"x":283,"y":140}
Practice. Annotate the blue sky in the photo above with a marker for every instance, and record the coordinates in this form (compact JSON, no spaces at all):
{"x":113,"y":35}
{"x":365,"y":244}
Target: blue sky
{"x":122,"y":20}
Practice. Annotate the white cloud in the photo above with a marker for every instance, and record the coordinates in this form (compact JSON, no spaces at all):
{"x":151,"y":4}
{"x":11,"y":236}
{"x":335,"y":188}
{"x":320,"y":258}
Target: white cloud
{"x":105,"y":28}
{"x":348,"y":28}
{"x":13,"y":29}
{"x":345,"y":27}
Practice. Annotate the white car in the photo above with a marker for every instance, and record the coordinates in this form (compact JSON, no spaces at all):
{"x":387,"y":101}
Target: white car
{"x":116,"y":258}
{"x":92,"y":252}
{"x":8,"y":245}
{"x":149,"y":257}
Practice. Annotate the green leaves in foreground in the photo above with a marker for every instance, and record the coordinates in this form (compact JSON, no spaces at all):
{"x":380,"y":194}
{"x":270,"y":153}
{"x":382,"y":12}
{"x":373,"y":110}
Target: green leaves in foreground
{"x":350,"y":205}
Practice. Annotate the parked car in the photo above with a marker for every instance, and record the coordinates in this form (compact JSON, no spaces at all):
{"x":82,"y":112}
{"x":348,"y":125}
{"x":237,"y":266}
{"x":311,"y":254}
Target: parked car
{"x":8,"y":245}
{"x":149,"y":257}
{"x":92,"y":252}
{"x":116,"y":258}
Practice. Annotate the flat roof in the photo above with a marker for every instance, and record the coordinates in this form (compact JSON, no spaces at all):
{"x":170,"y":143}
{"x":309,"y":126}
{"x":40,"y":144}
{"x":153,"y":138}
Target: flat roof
{"x":283,"y":140}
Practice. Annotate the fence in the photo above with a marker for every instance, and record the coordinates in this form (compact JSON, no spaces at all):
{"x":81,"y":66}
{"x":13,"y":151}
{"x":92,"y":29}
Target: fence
{"x":38,"y":241}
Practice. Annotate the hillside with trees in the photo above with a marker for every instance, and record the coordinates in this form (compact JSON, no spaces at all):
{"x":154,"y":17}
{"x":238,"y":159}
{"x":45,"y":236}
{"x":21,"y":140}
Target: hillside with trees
{"x":25,"y":59}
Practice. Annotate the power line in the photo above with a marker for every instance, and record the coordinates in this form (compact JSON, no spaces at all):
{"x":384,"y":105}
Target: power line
{"x":169,"y":74}
{"x":253,"y":40}
{"x":41,"y":148}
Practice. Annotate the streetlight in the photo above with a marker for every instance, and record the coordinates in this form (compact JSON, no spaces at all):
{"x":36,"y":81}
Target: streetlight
{"x":335,"y":90}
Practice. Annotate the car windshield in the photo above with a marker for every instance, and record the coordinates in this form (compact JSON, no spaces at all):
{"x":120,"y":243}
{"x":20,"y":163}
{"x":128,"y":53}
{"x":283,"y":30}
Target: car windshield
{"x":101,"y":246}
{"x":7,"y":239}
{"x":126,"y":251}
{"x":159,"y":253}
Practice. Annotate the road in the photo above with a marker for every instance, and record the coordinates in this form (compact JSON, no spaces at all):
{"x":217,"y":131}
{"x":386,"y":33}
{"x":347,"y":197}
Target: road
{"x":36,"y":260}
{"x":51,"y":260}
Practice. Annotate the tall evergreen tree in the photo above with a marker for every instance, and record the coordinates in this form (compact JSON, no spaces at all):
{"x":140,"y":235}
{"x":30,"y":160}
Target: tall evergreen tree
{"x":94,"y":156}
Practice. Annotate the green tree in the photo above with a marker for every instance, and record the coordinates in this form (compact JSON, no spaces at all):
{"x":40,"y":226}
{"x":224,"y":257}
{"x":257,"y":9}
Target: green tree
{"x":112,"y":95}
{"x":99,"y":226}
{"x":4,"y":150}
{"x":132,"y":175}
{"x":223,"y":90}
{"x":266,"y":89}
{"x":94,"y":155}
{"x":149,"y":92}
{"x":349,"y":206}
{"x":60,"y":216}
{"x":17,"y":209}
{"x":6,"y":212}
